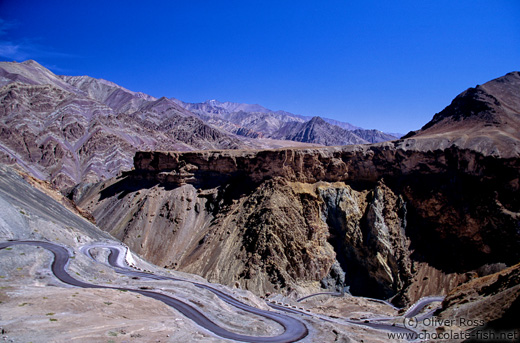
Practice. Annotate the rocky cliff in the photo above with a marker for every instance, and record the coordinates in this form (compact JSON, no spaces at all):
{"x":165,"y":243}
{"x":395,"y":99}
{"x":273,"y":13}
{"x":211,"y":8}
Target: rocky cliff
{"x":373,"y":216}
{"x":490,"y":303}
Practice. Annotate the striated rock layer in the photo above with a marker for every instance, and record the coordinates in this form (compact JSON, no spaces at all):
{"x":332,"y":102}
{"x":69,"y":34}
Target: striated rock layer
{"x":72,"y":129}
{"x":68,"y":130}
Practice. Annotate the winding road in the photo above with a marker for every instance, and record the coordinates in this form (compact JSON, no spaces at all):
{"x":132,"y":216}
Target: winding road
{"x":416,"y":308}
{"x":332,"y":294}
{"x":117,"y":260}
{"x":294,"y":329}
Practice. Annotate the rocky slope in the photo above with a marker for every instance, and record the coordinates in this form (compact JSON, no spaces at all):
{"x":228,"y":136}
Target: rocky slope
{"x":407,"y":218}
{"x":37,"y":307}
{"x":489,"y":303}
{"x":318,"y":131}
{"x":485,"y":118}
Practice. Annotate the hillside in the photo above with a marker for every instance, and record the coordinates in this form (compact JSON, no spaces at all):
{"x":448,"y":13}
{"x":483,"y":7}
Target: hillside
{"x":485,"y":118}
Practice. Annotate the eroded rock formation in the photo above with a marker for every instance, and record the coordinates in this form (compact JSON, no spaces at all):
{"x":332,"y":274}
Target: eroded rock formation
{"x":273,"y":220}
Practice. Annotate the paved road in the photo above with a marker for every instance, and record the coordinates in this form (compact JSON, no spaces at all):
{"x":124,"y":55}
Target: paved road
{"x":411,"y":312}
{"x":294,"y":328}
{"x":332,"y":294}
{"x":419,"y":305}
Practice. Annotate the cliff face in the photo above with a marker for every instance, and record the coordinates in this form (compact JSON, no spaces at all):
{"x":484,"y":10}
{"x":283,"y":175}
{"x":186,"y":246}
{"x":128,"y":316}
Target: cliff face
{"x":278,"y":236}
{"x":492,"y":301}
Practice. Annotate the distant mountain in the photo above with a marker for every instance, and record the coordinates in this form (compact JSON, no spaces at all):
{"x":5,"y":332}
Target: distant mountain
{"x":343,"y":125}
{"x":72,"y":129}
{"x":404,"y":219}
{"x":317,"y":131}
{"x":256,"y":121}
{"x":217,"y":107}
{"x":374,"y":136}
{"x":251,"y":120}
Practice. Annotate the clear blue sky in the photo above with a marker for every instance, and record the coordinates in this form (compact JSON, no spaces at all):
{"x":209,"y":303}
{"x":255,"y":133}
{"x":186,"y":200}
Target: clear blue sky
{"x":389,"y":65}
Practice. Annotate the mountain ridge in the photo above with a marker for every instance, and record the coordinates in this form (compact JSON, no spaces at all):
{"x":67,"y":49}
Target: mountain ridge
{"x":428,"y":214}
{"x":263,"y":122}
{"x":381,"y":217}
{"x":485,"y":118}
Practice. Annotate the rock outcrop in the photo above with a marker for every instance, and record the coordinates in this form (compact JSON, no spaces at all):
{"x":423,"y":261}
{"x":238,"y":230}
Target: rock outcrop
{"x":489,"y":304}
{"x":278,"y":236}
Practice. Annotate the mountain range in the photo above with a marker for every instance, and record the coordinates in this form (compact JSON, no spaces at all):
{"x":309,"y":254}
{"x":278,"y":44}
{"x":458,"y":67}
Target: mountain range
{"x":434,"y":213}
{"x":71,"y":129}
{"x":257,"y":121}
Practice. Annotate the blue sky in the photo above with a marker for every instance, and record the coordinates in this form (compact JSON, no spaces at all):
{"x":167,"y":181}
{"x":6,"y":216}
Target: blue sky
{"x":389,"y":65}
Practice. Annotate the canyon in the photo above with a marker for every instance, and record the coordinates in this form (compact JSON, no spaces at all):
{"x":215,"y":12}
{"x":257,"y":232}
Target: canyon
{"x":381,"y":219}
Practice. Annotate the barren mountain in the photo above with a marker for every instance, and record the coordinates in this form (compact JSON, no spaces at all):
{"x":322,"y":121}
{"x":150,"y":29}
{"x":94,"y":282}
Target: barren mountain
{"x":375,"y":136}
{"x":401,"y":219}
{"x":72,"y":129}
{"x":434,"y":213}
{"x":261,"y":124}
{"x":318,"y":131}
{"x":116,"y":97}
{"x":485,"y":118}
{"x":215,"y":107}
{"x":243,"y":119}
